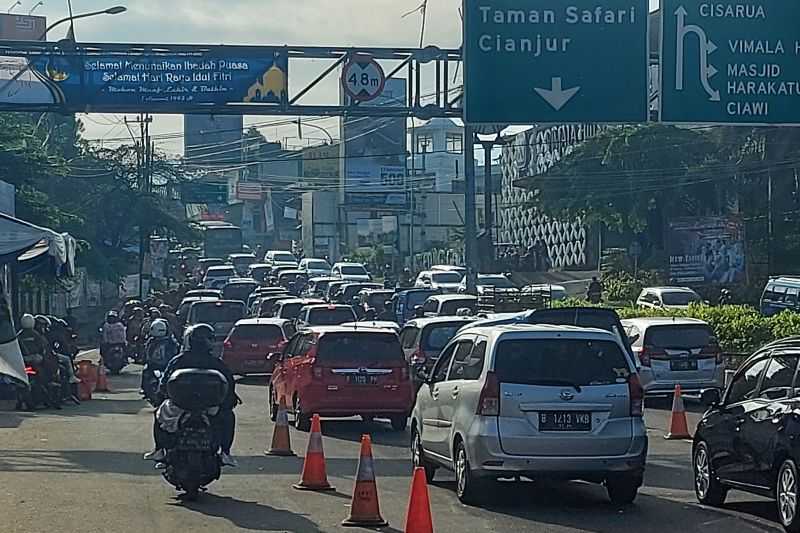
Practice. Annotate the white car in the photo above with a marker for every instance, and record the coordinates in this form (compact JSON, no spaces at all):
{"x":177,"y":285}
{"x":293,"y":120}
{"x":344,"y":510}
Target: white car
{"x":488,"y":283}
{"x":280,"y":258}
{"x":445,"y":281}
{"x":462,"y":271}
{"x":315,"y":267}
{"x":672,"y":351}
{"x":350,"y":272}
{"x":218,"y":276}
{"x":667,"y":298}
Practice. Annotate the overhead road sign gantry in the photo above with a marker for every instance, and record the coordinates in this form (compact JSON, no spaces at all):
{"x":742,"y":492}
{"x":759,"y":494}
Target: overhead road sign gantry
{"x":731,"y":62}
{"x":534,"y":61}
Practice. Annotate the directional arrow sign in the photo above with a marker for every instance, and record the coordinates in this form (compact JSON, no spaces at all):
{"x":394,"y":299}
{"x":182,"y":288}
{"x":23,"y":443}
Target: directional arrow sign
{"x":730,"y":62}
{"x":533,"y":61}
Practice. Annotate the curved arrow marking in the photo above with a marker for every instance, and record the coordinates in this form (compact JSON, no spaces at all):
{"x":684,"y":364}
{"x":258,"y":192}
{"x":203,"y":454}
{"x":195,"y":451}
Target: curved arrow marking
{"x":556,"y":96}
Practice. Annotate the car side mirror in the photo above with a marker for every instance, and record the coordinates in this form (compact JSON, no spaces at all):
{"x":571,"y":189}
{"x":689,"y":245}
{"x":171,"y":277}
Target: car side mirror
{"x":633,"y":338}
{"x":711,"y":397}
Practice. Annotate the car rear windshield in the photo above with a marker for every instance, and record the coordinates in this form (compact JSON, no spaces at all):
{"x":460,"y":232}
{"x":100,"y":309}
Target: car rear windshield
{"x":291,"y":310}
{"x":354,"y":270}
{"x":418,"y":298}
{"x":679,"y":298}
{"x":284,"y":258}
{"x":500,"y":282}
{"x":378,"y":299}
{"x":451,"y":307}
{"x":221,"y":272}
{"x":243,"y":261}
{"x":359,"y":347}
{"x":258,"y":332}
{"x":678,"y":336}
{"x":318,"y":265}
{"x":560,"y":362}
{"x":446,"y":277}
{"x":436,"y":337}
{"x":213,"y":312}
{"x":238,"y":291}
{"x":259,"y":273}
{"x":330,"y":317}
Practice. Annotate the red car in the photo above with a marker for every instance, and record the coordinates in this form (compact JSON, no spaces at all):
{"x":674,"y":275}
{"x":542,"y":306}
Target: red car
{"x":251,"y":340}
{"x":341,"y":371}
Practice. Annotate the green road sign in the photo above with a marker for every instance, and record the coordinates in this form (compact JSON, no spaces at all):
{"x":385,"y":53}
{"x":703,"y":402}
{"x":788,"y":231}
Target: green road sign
{"x":204,"y":193}
{"x":731,"y":62}
{"x":533,"y":61}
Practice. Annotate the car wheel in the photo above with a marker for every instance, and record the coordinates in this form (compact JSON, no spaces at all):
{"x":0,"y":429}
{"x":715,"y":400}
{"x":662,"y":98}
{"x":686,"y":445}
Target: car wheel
{"x":469,"y":489}
{"x":273,"y":407}
{"x":302,"y":421}
{"x":707,"y":488}
{"x":622,"y":489}
{"x":399,"y":422}
{"x":786,"y":496}
{"x":418,"y":457}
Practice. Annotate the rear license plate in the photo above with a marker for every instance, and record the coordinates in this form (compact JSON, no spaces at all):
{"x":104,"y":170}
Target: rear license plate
{"x":360,"y":379}
{"x":683,"y":364}
{"x":565,"y":421}
{"x":254,"y":363}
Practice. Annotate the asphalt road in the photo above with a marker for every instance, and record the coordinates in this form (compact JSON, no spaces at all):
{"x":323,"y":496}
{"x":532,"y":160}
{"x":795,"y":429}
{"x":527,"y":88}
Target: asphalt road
{"x":79,"y":470}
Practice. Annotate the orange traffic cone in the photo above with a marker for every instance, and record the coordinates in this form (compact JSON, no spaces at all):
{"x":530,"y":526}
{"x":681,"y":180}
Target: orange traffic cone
{"x":314,"y":476}
{"x":678,"y":428}
{"x":102,"y":379}
{"x":84,"y":391}
{"x":281,"y":445}
{"x":365,"y":510}
{"x":418,"y":517}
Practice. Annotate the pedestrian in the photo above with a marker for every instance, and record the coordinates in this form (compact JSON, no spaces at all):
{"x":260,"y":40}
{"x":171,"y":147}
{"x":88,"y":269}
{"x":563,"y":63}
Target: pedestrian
{"x":594,"y":293}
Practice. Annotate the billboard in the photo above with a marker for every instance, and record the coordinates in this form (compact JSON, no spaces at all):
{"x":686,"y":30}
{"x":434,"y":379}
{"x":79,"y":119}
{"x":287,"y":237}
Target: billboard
{"x":375,"y":147}
{"x":22,"y":27}
{"x":706,"y":250}
{"x":89,"y":79}
{"x":212,"y":139}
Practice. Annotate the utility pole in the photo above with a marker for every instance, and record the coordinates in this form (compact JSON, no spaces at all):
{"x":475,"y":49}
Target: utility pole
{"x":470,"y":227}
{"x":487,"y":199}
{"x":144,"y":151}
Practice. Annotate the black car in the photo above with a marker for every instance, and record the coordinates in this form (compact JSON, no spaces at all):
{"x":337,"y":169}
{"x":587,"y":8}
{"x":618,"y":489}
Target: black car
{"x":748,"y":438}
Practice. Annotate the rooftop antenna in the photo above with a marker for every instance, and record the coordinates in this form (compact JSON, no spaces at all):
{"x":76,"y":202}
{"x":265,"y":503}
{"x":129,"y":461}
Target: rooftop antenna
{"x":14,"y":5}
{"x":36,"y":5}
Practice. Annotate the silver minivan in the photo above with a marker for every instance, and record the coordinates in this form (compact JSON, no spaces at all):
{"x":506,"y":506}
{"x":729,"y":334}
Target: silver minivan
{"x":538,"y":401}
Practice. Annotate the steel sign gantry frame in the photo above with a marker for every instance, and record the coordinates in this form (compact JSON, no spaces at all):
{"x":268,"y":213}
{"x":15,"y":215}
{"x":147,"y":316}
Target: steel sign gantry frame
{"x":445,"y":97}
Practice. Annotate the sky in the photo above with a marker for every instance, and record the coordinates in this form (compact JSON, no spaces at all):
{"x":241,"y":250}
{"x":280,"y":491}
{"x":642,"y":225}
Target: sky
{"x":255,"y":22}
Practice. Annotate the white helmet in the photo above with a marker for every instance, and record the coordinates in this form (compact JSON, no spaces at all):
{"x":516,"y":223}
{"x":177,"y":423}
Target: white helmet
{"x":159,"y":328}
{"x":27,"y":321}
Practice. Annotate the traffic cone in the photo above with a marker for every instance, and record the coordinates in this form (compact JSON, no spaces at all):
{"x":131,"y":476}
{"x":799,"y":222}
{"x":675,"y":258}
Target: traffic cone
{"x":314,"y":476}
{"x":102,"y":379}
{"x":678,"y":428}
{"x":365,"y":511}
{"x":418,"y":517}
{"x":84,"y":391}
{"x":281,"y":444}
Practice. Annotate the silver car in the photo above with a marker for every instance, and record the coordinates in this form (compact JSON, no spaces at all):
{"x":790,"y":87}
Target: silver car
{"x":538,"y":401}
{"x":672,"y":351}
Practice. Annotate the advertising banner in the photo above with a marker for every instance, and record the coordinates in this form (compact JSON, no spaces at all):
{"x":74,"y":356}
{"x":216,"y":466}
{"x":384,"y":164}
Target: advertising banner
{"x":706,"y":250}
{"x":375,"y":147}
{"x":85,"y":80}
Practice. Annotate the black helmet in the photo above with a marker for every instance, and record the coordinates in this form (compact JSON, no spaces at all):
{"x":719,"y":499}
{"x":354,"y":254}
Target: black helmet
{"x":112,"y":317}
{"x":199,"y":339}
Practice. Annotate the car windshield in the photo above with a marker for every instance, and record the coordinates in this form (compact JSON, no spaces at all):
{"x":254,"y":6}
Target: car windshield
{"x":681,"y":337}
{"x":354,"y":270}
{"x":679,"y":298}
{"x":318,"y":264}
{"x":258,"y":332}
{"x":213,"y":312}
{"x":446,"y":277}
{"x":436,"y":337}
{"x":501,"y":282}
{"x":359,"y":347}
{"x":557,"y":362}
{"x":331,"y":317}
{"x":284,"y":257}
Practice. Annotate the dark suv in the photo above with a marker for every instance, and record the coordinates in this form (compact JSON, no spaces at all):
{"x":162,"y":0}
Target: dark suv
{"x":747,"y":440}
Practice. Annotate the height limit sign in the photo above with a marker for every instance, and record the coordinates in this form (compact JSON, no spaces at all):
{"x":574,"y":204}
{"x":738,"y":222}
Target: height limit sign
{"x":363,"y":78}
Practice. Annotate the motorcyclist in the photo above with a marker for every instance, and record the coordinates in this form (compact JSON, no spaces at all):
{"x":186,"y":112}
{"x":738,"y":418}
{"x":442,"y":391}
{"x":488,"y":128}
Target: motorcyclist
{"x":134,"y":325}
{"x":36,"y":349}
{"x":405,"y":278}
{"x":169,"y":316}
{"x":44,"y":326}
{"x":152,"y":315}
{"x":196,"y":353}
{"x":113,"y":333}
{"x":161,"y":347}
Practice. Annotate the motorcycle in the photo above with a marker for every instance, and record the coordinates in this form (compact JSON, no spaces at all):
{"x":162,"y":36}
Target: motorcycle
{"x":115,"y":359}
{"x":192,"y":461}
{"x":39,"y":393}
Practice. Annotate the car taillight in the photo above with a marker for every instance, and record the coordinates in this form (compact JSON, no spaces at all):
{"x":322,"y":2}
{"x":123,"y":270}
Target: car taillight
{"x":712,"y":350}
{"x":636,"y":394}
{"x":489,"y":400}
{"x":649,"y":353}
{"x":29,"y":370}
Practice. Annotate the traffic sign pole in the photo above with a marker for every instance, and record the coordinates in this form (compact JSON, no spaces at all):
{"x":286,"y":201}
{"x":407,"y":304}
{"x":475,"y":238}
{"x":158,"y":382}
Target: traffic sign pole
{"x":470,"y":225}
